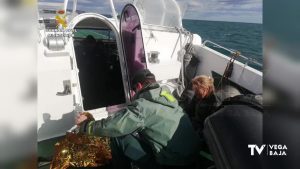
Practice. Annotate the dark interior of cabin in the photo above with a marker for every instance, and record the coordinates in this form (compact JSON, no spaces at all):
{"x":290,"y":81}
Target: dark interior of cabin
{"x":98,"y":63}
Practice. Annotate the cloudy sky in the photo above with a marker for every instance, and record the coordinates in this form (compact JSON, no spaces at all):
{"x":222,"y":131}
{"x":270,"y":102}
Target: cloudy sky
{"x":216,"y":10}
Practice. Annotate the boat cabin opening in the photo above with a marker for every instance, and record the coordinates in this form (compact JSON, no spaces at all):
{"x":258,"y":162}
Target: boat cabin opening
{"x":98,"y":62}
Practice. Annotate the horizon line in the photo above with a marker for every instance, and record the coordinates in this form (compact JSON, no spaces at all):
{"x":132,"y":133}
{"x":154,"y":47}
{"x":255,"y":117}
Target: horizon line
{"x":221,"y":21}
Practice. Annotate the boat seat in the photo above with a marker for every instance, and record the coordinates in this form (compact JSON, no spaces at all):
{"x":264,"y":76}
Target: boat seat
{"x":230,"y":129}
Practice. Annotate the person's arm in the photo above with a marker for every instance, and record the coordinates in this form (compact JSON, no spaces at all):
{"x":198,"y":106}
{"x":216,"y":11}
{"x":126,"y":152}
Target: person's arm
{"x":121,"y":123}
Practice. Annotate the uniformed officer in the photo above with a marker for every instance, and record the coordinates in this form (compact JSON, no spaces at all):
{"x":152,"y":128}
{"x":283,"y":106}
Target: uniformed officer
{"x":151,"y":132}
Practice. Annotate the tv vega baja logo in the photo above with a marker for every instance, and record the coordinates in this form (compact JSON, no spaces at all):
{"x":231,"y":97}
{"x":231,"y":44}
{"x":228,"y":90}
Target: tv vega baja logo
{"x":269,"y":149}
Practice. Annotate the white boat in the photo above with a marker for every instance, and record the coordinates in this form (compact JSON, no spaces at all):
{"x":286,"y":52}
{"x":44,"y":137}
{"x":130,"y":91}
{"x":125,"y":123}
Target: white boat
{"x":90,"y":71}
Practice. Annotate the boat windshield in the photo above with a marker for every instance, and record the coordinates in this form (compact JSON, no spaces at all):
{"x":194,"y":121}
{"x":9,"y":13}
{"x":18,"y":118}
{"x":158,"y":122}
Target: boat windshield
{"x":160,"y":12}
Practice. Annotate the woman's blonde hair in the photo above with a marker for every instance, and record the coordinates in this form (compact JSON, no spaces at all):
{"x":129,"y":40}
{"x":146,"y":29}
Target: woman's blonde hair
{"x":203,"y":85}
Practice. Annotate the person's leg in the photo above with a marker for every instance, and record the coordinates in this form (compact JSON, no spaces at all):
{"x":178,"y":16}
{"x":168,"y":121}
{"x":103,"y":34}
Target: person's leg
{"x":119,"y":160}
{"x":129,"y":149}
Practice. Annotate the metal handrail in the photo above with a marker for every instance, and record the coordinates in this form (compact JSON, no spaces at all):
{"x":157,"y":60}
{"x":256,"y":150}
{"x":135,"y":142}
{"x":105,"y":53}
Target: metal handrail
{"x":232,"y":52}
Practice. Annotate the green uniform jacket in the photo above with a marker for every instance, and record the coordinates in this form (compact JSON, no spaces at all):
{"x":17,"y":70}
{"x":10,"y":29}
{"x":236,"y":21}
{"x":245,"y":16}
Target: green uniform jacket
{"x":163,"y":125}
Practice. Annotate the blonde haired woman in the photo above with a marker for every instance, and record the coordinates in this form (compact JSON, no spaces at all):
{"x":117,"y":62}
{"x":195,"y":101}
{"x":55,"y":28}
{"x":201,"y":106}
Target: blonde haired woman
{"x":203,"y":86}
{"x":204,"y":102}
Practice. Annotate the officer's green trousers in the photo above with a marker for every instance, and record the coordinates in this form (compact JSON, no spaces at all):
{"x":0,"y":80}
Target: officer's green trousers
{"x":129,"y":150}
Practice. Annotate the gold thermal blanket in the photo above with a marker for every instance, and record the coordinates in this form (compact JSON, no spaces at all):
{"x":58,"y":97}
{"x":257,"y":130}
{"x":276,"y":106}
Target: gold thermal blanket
{"x":79,"y":150}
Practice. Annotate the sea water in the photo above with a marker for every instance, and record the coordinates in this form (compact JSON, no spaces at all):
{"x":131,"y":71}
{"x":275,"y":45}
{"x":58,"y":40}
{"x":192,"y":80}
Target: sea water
{"x":243,"y":37}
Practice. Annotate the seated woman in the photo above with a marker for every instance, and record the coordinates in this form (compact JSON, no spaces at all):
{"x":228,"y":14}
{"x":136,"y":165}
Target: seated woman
{"x":204,"y":101}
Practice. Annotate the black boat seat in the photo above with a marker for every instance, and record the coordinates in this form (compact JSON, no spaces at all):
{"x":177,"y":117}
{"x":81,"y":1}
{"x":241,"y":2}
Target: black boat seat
{"x":229,"y":131}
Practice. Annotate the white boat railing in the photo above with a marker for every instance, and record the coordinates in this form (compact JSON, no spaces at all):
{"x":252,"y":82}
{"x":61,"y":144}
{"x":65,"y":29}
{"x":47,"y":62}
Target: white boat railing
{"x":248,"y":60}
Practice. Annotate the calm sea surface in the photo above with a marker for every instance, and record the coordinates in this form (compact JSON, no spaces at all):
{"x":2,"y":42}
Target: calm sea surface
{"x":244,"y":37}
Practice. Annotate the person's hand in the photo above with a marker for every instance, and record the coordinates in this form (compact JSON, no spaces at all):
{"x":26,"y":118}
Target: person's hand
{"x":81,"y":117}
{"x":132,"y":93}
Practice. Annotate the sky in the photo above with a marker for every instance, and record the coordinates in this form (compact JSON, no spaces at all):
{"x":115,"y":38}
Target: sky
{"x":249,"y":11}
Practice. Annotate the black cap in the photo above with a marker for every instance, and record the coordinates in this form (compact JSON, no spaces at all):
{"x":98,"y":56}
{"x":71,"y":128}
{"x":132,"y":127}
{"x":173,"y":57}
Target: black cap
{"x":141,"y":75}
